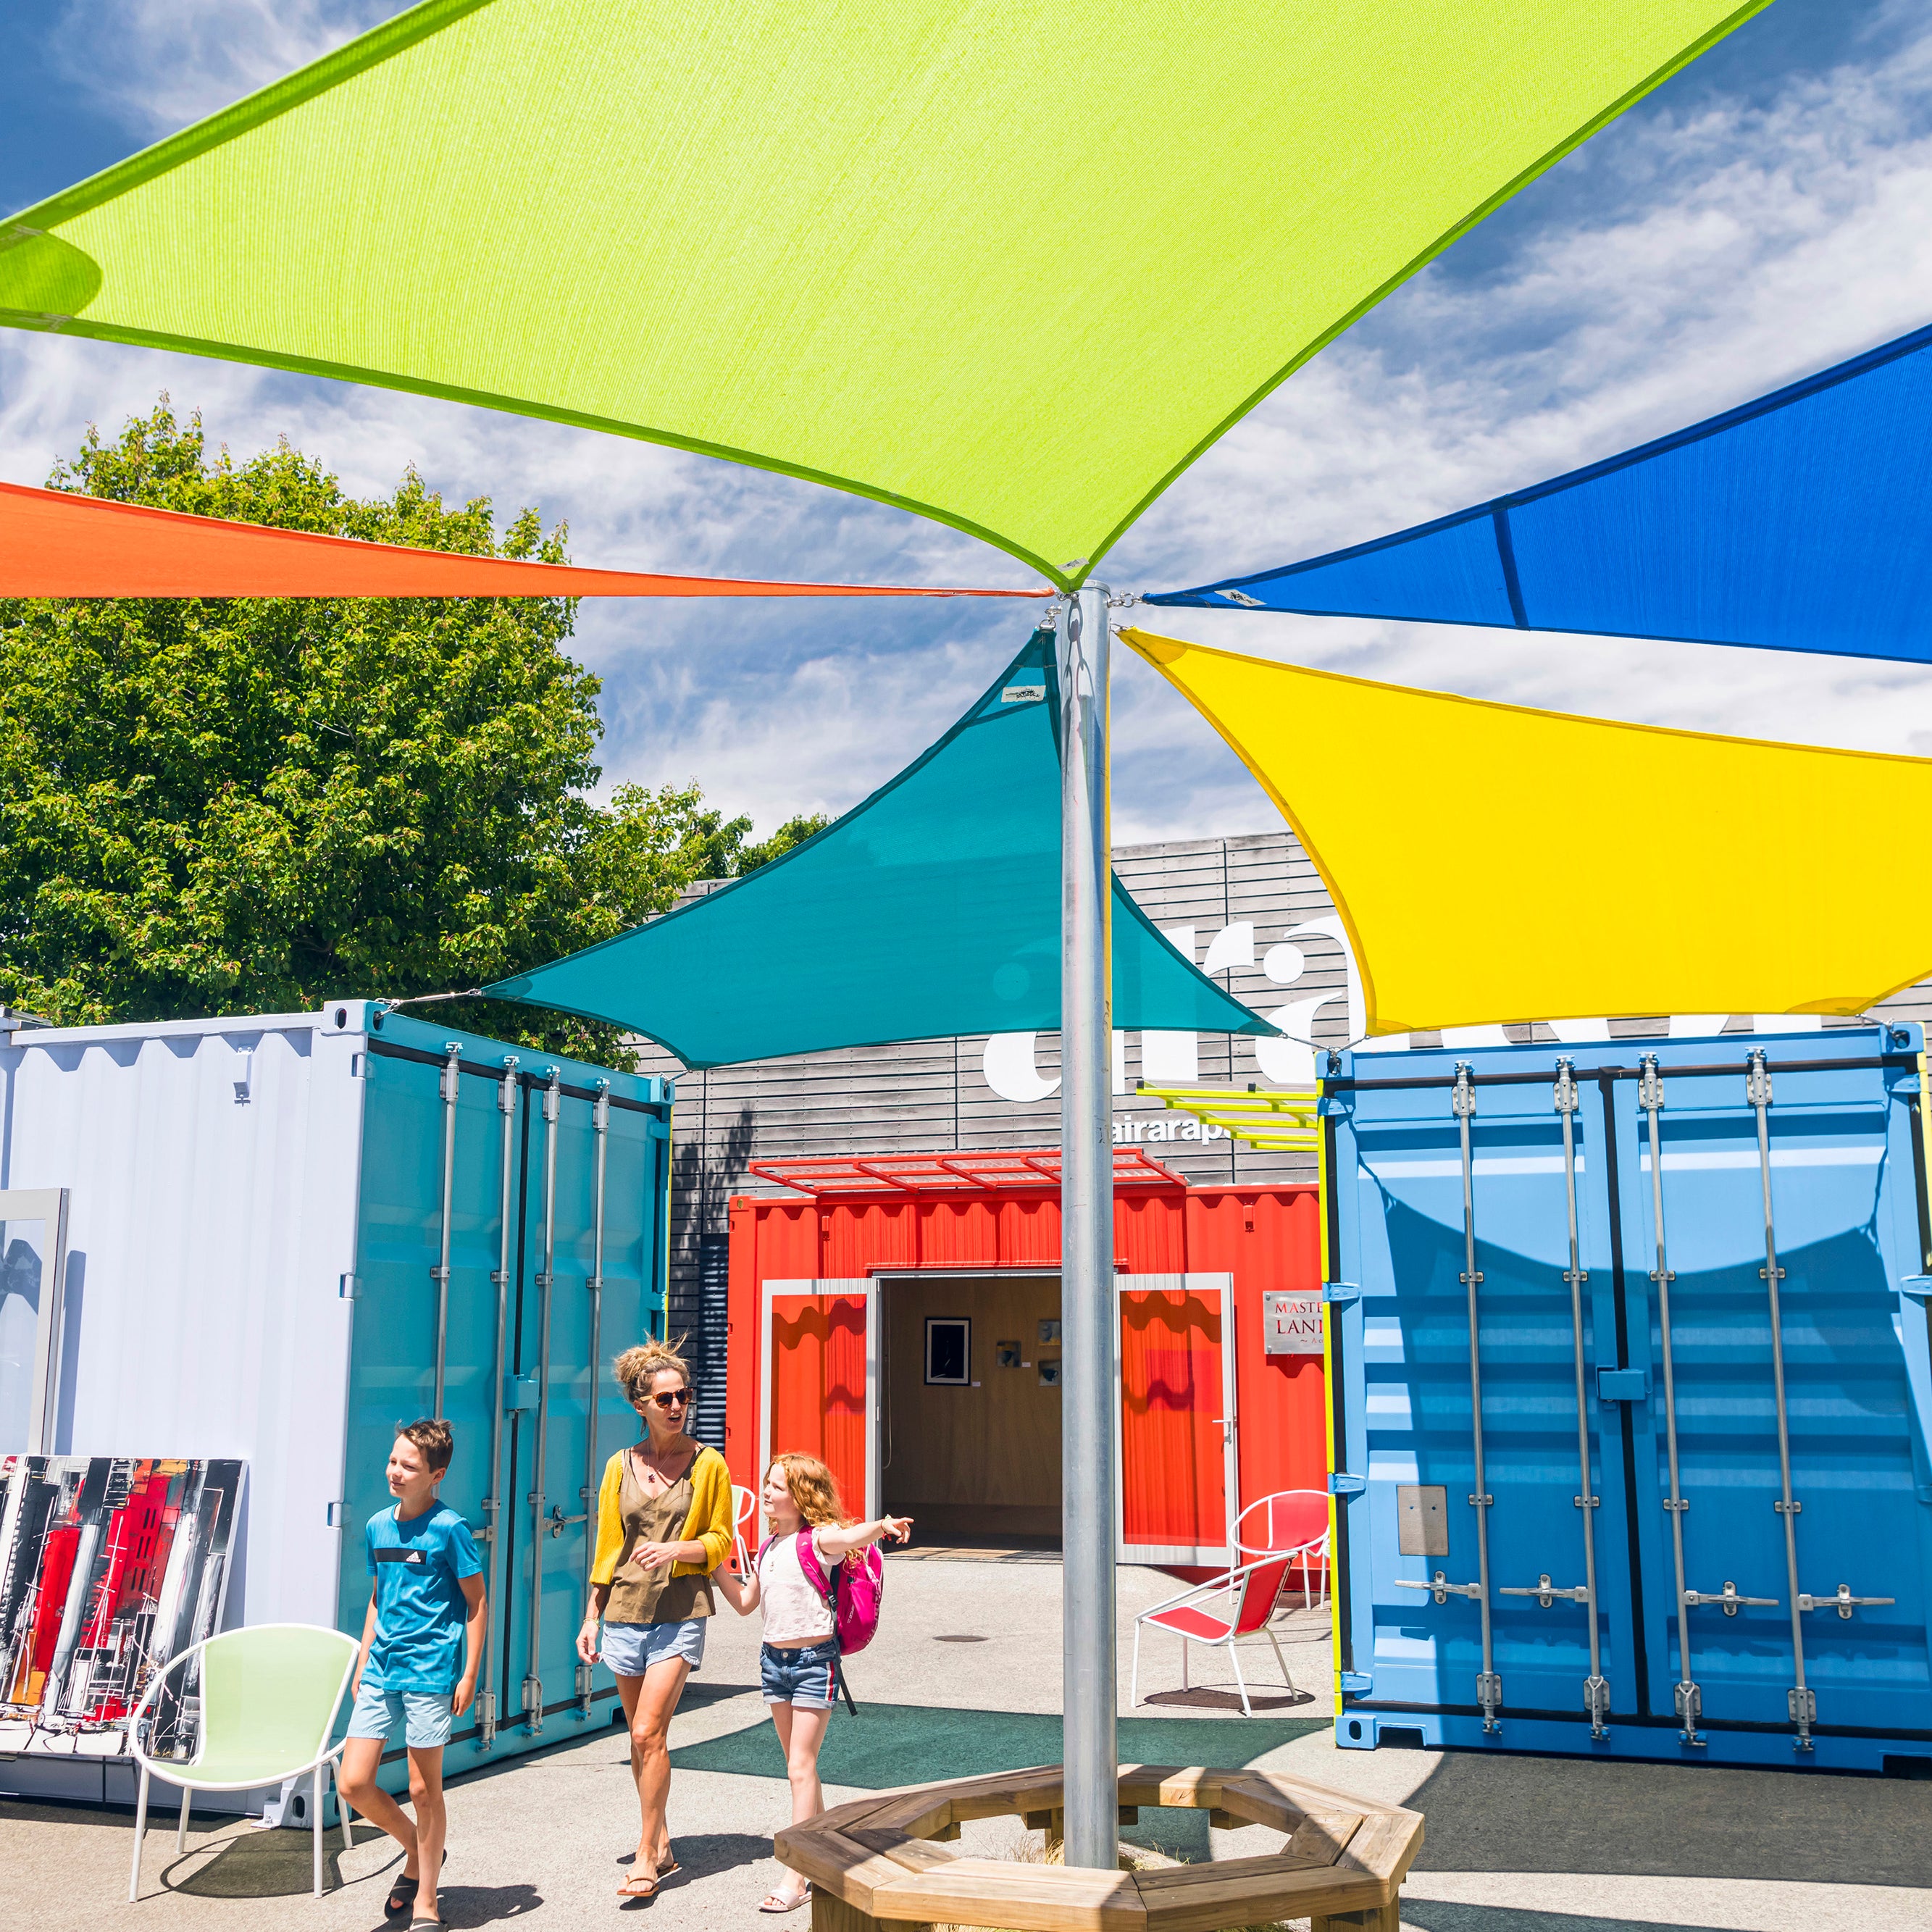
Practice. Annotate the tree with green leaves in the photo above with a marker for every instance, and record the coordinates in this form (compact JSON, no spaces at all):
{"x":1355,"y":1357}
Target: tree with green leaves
{"x":231,"y":805}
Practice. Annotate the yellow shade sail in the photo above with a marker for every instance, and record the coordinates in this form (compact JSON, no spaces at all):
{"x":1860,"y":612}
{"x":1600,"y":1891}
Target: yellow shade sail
{"x":1492,"y":862}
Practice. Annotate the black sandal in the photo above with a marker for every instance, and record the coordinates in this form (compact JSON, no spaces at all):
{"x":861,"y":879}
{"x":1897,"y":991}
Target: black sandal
{"x":403,"y":1894}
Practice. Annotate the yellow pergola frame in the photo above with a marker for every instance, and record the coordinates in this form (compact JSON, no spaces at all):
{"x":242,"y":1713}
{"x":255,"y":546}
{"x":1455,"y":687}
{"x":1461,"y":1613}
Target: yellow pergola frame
{"x":1281,"y":1120}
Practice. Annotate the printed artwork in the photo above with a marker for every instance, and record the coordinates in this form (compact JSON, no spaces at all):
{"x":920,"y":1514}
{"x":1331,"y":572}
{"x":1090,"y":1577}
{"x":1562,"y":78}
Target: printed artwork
{"x":110,"y":1566}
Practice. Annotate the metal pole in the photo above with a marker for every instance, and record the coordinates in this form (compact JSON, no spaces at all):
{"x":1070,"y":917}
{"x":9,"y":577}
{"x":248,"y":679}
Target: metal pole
{"x":1088,"y":1298}
{"x":452,"y":1078}
{"x":492,"y":1503}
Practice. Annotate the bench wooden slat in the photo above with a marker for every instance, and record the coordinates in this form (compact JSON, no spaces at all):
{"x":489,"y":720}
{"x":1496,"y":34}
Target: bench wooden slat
{"x":1014,"y":1896}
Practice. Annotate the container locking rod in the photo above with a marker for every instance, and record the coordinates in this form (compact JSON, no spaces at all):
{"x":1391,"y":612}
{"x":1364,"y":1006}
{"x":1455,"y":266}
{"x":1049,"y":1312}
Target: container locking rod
{"x":1803,"y":1702}
{"x":600,"y":1127}
{"x":499,"y":1277}
{"x":452,"y":1085}
{"x":1689,"y":1699}
{"x":1596,"y":1688}
{"x":1489,"y":1685}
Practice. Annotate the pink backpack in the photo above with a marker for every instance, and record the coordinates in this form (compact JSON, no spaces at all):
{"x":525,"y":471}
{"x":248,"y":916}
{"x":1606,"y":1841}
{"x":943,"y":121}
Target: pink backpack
{"x":855,"y":1598}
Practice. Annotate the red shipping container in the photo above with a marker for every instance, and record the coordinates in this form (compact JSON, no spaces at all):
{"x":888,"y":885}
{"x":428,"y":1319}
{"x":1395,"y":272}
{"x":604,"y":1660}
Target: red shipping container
{"x":827,"y":1289}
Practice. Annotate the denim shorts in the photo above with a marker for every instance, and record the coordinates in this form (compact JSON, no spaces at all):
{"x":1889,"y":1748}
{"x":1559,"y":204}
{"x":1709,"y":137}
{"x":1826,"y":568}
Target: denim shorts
{"x":422,"y":1716}
{"x":631,"y":1649}
{"x":807,"y":1677}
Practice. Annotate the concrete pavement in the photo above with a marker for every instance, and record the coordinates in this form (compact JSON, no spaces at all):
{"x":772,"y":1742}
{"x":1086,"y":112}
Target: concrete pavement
{"x":1514,"y":1844}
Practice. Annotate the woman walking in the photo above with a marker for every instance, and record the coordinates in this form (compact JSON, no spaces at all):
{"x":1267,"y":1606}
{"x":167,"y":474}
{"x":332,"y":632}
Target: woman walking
{"x":663,"y":1524}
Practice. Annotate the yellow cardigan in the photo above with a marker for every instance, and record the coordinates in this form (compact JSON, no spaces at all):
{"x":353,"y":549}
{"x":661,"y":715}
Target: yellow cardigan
{"x":710,"y":1521}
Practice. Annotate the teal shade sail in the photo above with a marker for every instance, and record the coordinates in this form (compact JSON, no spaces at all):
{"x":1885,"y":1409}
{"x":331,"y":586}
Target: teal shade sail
{"x":932,"y":909}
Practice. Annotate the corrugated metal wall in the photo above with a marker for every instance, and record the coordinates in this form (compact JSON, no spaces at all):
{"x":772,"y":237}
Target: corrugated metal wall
{"x":935,"y":1094}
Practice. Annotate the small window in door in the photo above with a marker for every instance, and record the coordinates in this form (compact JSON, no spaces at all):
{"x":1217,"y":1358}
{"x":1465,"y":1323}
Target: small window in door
{"x":949,"y":1350}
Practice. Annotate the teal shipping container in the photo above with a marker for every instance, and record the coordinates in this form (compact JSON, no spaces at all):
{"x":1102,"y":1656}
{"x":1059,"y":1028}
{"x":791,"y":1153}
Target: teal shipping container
{"x":1632,"y":1398}
{"x":286,"y":1233}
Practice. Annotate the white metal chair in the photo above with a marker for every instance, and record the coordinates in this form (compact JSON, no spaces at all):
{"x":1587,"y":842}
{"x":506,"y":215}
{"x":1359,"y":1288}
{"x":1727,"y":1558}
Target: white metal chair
{"x":745,"y":1511}
{"x":1290,"y":1523}
{"x":1246,"y":1596}
{"x":269,"y":1694}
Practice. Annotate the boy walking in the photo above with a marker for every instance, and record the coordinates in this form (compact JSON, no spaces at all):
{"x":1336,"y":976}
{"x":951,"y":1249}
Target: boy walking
{"x":421,"y":1641}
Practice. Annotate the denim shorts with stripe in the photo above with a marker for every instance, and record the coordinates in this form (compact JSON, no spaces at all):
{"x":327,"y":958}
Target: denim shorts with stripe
{"x":807,"y":1677}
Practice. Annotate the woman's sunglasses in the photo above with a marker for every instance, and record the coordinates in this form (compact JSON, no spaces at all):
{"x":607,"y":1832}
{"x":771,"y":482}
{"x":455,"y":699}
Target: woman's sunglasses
{"x":672,"y":1398}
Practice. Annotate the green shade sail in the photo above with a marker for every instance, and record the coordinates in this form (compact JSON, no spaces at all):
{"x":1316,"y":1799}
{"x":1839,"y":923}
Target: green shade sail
{"x":932,"y":909}
{"x":1008,"y":263}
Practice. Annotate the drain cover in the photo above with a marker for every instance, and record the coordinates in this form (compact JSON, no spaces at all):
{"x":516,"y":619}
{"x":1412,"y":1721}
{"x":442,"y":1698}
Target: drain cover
{"x":959,"y":1640}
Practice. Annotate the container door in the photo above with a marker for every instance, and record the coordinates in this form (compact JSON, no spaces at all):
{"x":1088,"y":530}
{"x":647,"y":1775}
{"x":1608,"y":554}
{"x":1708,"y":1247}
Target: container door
{"x":583,"y":1286}
{"x":1175,"y":1452}
{"x":1847,"y":1539}
{"x":1476,"y":1440}
{"x":819,"y":1390}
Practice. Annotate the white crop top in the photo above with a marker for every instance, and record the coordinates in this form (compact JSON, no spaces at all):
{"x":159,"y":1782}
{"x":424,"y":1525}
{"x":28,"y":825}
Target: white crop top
{"x":795,"y":1613}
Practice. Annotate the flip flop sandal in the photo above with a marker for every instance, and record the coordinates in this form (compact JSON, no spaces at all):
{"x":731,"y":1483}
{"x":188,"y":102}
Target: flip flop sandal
{"x":426,"y":1925}
{"x":402,"y":1893}
{"x":775,"y":1902}
{"x":639,"y":1885}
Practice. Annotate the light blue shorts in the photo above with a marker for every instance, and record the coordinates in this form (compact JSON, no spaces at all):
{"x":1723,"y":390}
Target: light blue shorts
{"x":631,"y":1649}
{"x":422,"y":1716}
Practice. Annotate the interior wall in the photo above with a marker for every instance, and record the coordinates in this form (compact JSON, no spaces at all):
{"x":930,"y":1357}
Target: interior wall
{"x":983,"y":1459}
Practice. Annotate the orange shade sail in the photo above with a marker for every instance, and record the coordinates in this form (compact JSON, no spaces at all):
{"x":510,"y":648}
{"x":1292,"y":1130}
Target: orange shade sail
{"x":55,"y":544}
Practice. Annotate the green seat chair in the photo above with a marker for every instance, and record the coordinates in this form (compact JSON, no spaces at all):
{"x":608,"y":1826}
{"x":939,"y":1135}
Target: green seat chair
{"x":268,"y":1695}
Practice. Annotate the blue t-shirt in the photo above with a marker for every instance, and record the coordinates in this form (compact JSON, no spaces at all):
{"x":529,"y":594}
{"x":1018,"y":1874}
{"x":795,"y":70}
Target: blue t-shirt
{"x":420,"y":1611}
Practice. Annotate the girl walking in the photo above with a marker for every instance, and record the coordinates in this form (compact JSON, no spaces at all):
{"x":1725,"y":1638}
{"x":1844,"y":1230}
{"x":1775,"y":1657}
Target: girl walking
{"x":798,"y":1663}
{"x":663,"y":1524}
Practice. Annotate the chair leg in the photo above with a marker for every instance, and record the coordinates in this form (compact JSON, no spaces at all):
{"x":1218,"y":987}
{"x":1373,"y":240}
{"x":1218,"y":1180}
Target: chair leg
{"x":1183,"y":1663}
{"x":1281,"y":1660}
{"x":317,"y":1827}
{"x":1233,"y":1657}
{"x":140,"y":1828}
{"x":181,"y":1824}
{"x":341,"y":1803}
{"x":1134,"y":1682}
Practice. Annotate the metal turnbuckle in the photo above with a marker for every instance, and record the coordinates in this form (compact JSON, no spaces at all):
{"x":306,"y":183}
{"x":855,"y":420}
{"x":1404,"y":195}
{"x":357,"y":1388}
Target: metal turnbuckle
{"x":1727,"y":1599}
{"x":1441,"y":1588}
{"x":1842,"y":1601}
{"x":1545,"y":1592}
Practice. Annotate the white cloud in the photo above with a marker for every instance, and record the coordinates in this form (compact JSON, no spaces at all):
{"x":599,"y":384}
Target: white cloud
{"x":158,"y":64}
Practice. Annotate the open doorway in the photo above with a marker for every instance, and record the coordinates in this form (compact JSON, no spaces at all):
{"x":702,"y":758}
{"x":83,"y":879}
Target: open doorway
{"x":970,"y":1432}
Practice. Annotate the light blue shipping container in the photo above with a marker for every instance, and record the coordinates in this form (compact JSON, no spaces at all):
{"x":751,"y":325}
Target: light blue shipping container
{"x":286,"y":1234}
{"x":1633,"y":1400}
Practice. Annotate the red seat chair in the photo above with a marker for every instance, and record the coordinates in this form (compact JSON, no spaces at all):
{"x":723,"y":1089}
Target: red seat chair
{"x":1290,"y":1523}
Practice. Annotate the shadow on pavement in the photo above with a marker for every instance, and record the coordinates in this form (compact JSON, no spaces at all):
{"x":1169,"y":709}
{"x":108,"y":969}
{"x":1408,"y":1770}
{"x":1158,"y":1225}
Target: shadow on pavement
{"x":1430,"y":1915}
{"x":1544,"y":1814}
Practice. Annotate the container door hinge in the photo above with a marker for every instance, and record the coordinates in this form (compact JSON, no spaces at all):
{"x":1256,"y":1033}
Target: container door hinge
{"x":520,"y":1392}
{"x":1356,"y":1684}
{"x":1919,"y":1287}
{"x":1341,"y":1484}
{"x":349,"y":1287}
{"x":1340,"y":1294}
{"x":336,"y":1514}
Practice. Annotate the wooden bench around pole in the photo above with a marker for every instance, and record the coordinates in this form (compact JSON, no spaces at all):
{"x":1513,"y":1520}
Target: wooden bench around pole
{"x":883,"y":1860}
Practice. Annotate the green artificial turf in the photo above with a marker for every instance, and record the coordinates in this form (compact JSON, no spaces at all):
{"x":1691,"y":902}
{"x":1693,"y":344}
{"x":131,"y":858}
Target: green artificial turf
{"x":889,"y":1744}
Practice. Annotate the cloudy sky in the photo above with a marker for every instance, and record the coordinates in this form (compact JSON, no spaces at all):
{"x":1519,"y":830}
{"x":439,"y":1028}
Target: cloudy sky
{"x":1766,"y":214}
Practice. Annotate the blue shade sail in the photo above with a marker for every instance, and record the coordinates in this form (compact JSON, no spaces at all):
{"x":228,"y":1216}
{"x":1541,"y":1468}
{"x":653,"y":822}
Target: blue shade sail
{"x":1797,"y":523}
{"x":932,"y":909}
